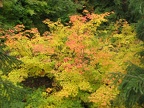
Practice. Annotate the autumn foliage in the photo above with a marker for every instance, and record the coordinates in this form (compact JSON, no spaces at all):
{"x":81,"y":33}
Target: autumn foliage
{"x":80,"y":57}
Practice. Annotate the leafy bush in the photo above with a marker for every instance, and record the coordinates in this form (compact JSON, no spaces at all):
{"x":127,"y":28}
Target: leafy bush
{"x":78,"y":57}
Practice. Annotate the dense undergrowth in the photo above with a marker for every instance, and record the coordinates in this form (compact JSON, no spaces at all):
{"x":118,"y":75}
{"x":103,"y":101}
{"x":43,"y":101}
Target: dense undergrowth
{"x":83,"y":63}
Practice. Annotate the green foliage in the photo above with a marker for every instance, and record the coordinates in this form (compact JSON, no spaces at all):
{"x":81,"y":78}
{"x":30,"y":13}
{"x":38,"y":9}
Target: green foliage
{"x":11,"y":94}
{"x":6,"y":62}
{"x":131,"y":88}
{"x":137,"y":8}
{"x":132,"y":10}
{"x":31,"y":13}
{"x":140,"y":30}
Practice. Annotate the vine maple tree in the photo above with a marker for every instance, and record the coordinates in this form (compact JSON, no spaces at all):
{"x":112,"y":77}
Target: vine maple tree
{"x":77,"y":56}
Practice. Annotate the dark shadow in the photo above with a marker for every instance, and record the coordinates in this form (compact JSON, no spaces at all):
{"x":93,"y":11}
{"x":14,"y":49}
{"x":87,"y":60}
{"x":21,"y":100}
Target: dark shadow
{"x":37,"y":82}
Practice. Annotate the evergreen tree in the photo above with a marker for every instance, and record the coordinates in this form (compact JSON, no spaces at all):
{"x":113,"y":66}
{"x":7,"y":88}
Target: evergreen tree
{"x":31,"y":13}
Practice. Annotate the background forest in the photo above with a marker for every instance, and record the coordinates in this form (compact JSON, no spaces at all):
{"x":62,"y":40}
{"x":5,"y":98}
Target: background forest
{"x":71,"y":54}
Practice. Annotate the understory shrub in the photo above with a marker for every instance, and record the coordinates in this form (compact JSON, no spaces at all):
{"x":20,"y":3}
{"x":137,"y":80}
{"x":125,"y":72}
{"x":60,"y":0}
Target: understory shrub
{"x":78,"y":57}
